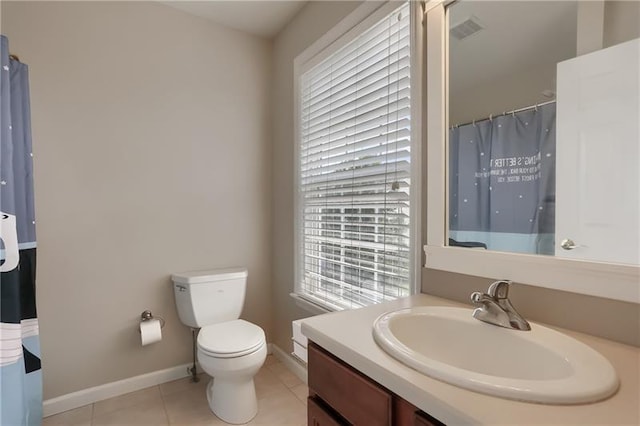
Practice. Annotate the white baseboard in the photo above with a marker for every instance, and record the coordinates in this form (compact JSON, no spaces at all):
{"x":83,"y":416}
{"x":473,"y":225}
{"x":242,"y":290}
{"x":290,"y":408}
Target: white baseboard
{"x":109,"y":390}
{"x":296,"y":367}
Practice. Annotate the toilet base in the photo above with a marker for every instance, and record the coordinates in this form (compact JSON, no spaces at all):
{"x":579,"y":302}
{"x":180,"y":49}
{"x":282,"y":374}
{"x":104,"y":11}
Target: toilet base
{"x":231,"y":393}
{"x":233,"y":401}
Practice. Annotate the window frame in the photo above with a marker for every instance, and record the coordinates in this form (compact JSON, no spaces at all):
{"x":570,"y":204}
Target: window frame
{"x":360,"y":20}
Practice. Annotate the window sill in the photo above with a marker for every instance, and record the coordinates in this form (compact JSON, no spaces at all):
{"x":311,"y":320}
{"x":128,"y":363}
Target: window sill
{"x":309,"y":306}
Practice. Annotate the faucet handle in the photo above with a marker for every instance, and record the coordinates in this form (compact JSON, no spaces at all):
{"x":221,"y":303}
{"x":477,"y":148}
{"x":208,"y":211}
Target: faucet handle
{"x":499,"y":289}
{"x":476,"y":297}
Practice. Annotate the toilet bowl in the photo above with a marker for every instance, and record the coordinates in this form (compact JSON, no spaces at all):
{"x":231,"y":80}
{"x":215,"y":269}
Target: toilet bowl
{"x":232,"y":353}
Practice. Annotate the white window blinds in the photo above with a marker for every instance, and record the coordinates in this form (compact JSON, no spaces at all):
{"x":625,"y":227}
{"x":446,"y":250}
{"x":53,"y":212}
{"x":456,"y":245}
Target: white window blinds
{"x":354,"y":171}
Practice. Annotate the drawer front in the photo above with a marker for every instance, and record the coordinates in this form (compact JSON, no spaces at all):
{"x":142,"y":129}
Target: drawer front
{"x":358,"y":399}
{"x":423,"y":419}
{"x":406,"y":414}
{"x":318,"y":416}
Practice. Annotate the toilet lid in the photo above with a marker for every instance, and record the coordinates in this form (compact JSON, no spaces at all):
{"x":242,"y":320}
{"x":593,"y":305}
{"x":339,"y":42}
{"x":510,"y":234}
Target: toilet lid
{"x":231,"y":338}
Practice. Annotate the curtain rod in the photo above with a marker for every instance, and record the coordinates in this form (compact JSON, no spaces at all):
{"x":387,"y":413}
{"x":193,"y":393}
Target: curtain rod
{"x":14,"y":57}
{"x":535,"y":106}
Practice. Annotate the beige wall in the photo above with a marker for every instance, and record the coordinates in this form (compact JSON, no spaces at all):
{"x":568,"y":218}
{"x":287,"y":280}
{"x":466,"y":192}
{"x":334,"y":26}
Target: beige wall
{"x":152,"y":155}
{"x":621,"y":21}
{"x":315,"y":19}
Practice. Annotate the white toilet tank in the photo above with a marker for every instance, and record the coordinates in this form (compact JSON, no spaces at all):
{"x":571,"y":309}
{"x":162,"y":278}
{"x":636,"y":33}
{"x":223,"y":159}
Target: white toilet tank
{"x":209,"y":297}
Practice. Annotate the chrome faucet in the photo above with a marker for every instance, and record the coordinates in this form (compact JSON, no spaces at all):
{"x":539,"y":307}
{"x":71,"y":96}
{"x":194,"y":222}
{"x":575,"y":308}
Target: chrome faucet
{"x":494,"y":307}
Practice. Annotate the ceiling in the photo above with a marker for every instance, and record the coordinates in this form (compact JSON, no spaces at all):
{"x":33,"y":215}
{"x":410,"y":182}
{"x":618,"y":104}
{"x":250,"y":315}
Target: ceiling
{"x":263,"y":18}
{"x":517,"y":35}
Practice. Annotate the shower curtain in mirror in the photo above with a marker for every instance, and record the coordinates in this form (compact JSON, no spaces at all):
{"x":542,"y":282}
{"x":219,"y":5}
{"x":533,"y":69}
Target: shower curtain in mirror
{"x":502,"y":182}
{"x":20,"y":373}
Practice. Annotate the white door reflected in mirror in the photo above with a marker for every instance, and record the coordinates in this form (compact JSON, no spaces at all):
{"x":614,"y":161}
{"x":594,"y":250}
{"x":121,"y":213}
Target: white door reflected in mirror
{"x":598,"y":185}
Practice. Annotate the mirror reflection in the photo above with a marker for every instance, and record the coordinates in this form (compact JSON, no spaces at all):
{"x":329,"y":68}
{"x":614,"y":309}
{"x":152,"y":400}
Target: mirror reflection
{"x":538,"y":96}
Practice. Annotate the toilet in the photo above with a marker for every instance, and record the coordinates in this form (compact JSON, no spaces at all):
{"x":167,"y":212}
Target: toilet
{"x":229,"y":349}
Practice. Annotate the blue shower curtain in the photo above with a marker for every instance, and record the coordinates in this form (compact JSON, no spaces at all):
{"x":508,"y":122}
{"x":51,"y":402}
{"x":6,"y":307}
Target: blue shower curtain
{"x":20,"y":372}
{"x":502,"y":182}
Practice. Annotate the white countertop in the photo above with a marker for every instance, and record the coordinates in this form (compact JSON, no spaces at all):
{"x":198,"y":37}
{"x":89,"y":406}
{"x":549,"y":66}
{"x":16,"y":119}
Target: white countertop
{"x":348,"y":335}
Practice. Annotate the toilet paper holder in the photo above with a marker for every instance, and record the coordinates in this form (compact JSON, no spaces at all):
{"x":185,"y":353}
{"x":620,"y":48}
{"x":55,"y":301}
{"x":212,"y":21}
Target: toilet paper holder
{"x":147,"y":315}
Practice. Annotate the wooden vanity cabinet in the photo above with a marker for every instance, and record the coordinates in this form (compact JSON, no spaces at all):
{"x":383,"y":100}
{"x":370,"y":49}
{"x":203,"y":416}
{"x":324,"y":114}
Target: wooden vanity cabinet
{"x":341,"y":396}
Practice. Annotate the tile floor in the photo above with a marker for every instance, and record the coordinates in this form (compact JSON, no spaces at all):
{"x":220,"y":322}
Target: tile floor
{"x":281,"y":401}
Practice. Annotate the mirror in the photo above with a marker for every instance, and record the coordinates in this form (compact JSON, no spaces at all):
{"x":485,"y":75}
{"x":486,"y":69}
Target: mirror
{"x":542,"y":138}
{"x":592,"y":74}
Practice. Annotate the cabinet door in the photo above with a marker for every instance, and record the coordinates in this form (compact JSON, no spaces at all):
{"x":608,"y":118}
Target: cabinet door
{"x":404,"y":413}
{"x":318,"y":416}
{"x":355,"y":397}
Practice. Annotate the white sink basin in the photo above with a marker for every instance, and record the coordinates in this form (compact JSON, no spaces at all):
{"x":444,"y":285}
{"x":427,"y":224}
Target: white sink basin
{"x":541,"y":365}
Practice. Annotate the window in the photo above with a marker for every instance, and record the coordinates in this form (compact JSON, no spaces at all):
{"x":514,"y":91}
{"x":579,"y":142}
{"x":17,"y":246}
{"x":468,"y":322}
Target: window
{"x":354,"y":126}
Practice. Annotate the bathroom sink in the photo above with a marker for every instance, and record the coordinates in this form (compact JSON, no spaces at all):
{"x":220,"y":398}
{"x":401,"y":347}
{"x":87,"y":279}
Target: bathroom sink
{"x":540,"y":365}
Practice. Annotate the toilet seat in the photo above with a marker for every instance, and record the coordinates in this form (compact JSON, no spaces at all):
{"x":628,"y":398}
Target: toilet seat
{"x":230,"y":339}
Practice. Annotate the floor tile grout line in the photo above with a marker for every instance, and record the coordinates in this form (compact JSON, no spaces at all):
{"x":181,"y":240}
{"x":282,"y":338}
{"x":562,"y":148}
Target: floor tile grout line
{"x":164,"y":405}
{"x":296,"y":396}
{"x":289,"y":388}
{"x":112,"y":411}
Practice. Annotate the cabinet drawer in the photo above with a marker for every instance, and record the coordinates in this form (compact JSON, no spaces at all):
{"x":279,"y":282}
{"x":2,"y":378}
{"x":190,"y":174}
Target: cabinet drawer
{"x":318,"y":416}
{"x":423,"y":419}
{"x":358,"y":399}
{"x":406,"y":414}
